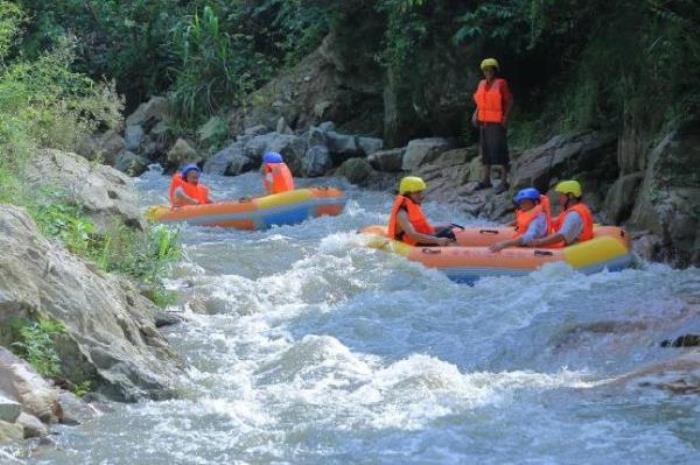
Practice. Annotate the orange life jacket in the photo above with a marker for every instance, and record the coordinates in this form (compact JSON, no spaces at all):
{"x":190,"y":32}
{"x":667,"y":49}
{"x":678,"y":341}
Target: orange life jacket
{"x":196,"y":191}
{"x":587,"y":217}
{"x":524,"y":218}
{"x":415,"y":216}
{"x":490,"y":101}
{"x":277,"y":178}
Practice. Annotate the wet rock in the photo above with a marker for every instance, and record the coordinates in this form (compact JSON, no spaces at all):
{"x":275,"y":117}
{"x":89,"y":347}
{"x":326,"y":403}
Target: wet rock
{"x":23,"y":384}
{"x":104,"y":147}
{"x":109,"y":335}
{"x":317,"y":161}
{"x":282,"y":126}
{"x":327,"y":126}
{"x":680,"y":375}
{"x":102,"y":191}
{"x":445,"y":174}
{"x":131,"y":164}
{"x":292,"y":148}
{"x":133,"y":136}
{"x":421,"y":151}
{"x":163,"y":319}
{"x":316,"y":136}
{"x":563,"y":156}
{"x":213,"y":130}
{"x":148,"y":114}
{"x":10,"y":432}
{"x":75,"y":411}
{"x":370,"y":145}
{"x":687,"y":340}
{"x":9,"y":409}
{"x":343,"y":145}
{"x":32,"y":426}
{"x":220,"y":162}
{"x":621,"y":196}
{"x":387,"y":160}
{"x":356,"y":170}
{"x":182,"y":153}
{"x":670,"y":194}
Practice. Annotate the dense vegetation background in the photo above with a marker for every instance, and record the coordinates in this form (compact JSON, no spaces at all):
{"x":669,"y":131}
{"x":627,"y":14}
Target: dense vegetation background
{"x":572,"y":63}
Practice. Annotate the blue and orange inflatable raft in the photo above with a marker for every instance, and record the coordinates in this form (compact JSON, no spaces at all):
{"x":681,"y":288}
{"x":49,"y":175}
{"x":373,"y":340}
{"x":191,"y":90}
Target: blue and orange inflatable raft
{"x":258,"y":213}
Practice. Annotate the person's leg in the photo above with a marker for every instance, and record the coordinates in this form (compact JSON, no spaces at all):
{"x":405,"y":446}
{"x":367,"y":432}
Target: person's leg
{"x":485,"y":160}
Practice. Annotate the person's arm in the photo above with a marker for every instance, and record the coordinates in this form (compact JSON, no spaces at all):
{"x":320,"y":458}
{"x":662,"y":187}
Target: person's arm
{"x":181,"y":196}
{"x":517,"y":242}
{"x":508,"y":101}
{"x":570,"y":230}
{"x":536,"y":228}
{"x":410,"y":231}
{"x":474,"y":120}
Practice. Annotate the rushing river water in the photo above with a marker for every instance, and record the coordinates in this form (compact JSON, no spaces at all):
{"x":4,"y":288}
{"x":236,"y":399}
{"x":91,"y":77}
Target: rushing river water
{"x":315,"y":350}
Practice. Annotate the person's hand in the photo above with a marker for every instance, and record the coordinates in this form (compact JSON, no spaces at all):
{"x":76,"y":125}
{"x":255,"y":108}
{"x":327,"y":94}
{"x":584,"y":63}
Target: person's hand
{"x":505,"y":121}
{"x":497,"y":247}
{"x":474,"y":120}
{"x":443,"y":241}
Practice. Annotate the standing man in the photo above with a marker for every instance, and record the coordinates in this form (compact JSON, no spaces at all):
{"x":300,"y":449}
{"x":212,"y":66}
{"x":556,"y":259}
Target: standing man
{"x":493,"y":104}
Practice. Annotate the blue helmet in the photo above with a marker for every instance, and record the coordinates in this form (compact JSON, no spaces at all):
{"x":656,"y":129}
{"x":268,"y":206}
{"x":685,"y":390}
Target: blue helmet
{"x":529,"y":193}
{"x":272,"y":157}
{"x":188,"y":168}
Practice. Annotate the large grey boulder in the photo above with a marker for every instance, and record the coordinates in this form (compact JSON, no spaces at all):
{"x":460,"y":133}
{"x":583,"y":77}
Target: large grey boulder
{"x":9,"y":409}
{"x":291,"y":147}
{"x":20,"y":382}
{"x":181,"y":153}
{"x":32,"y":426}
{"x":75,"y":411}
{"x":109,"y":333}
{"x":342,"y":145}
{"x":356,"y":171}
{"x":421,"y":151}
{"x":133,"y":136}
{"x":620,"y":198}
{"x":148,"y":114}
{"x":670,"y":194}
{"x":104,"y":192}
{"x":370,"y":145}
{"x":563,"y":156}
{"x":10,"y":432}
{"x":387,"y":160}
{"x":317,"y":161}
{"x":220,"y":162}
{"x":131,"y":164}
{"x":103,"y":147}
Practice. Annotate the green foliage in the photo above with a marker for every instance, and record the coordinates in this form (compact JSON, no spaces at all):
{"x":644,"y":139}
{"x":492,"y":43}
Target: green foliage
{"x":34,"y":342}
{"x":141,"y":255}
{"x":82,"y":388}
{"x":68,"y":223}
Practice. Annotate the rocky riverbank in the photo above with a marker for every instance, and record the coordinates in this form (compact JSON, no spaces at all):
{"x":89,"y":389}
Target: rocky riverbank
{"x":102,"y":336}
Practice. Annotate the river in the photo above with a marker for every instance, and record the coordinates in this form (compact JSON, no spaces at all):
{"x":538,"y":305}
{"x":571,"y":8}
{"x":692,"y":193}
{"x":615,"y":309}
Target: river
{"x":316,"y":350}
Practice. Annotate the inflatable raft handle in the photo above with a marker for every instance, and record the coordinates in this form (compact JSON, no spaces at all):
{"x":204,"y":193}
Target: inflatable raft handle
{"x":543,"y":253}
{"x":431,"y":250}
{"x":488,"y":231}
{"x":245,"y":199}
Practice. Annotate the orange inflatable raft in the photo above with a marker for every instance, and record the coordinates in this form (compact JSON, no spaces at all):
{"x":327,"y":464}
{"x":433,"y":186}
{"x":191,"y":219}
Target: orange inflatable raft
{"x":290,"y":207}
{"x":471,"y":259}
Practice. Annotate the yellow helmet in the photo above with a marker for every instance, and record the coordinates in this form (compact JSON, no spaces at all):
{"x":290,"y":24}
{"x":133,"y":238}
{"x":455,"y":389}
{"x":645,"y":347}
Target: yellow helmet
{"x":411,"y":184}
{"x":569,"y":187}
{"x":489,"y":63}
